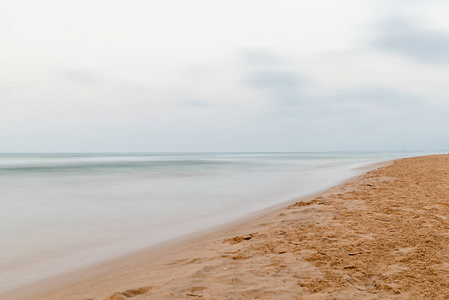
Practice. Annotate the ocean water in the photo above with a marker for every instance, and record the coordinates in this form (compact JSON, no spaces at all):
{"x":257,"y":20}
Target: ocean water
{"x":60,"y":212}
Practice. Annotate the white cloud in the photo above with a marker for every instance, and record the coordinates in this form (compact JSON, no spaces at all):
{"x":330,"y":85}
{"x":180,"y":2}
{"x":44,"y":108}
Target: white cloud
{"x":222,"y":76}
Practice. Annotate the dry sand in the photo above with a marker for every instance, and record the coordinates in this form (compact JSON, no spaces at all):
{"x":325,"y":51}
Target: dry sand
{"x":384,"y":235}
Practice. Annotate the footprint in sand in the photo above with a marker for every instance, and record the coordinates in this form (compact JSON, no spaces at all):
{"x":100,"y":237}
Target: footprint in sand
{"x":130,"y":293}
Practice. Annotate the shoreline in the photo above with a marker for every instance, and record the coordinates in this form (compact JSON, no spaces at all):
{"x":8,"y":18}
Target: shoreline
{"x":166,"y":249}
{"x":122,"y":212}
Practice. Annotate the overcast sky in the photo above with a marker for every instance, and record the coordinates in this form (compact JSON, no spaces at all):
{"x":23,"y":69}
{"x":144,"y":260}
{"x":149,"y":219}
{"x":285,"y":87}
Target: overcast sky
{"x":205,"y":75}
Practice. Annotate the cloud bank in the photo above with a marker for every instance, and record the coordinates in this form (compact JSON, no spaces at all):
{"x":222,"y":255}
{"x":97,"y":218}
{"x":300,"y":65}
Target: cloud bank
{"x":231,"y":76}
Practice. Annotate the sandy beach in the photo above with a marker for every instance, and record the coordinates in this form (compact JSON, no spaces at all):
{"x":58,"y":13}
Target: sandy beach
{"x":383,"y":235}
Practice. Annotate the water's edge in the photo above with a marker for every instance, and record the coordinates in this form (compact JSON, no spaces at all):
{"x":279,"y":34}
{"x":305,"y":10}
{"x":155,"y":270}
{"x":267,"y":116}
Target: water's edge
{"x":164,"y":248}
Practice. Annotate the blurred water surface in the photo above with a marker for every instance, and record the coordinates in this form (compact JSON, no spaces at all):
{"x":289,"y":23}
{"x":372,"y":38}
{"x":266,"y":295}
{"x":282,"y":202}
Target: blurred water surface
{"x":60,"y":212}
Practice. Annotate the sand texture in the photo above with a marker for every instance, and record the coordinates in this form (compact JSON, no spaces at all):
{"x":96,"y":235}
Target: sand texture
{"x":384,"y":235}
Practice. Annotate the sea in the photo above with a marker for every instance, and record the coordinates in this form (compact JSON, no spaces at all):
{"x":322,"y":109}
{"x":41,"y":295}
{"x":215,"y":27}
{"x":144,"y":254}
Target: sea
{"x":63,"y":212}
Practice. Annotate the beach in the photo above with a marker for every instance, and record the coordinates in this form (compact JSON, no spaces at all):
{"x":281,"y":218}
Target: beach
{"x":65,"y":212}
{"x":380,"y":236}
{"x":224,"y":150}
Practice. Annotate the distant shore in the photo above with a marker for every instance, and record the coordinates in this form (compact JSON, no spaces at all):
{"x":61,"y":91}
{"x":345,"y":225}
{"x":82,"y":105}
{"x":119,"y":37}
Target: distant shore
{"x":381,"y":235}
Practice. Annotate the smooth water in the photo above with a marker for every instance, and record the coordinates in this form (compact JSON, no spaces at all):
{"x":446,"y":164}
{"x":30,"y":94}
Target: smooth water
{"x":60,"y":212}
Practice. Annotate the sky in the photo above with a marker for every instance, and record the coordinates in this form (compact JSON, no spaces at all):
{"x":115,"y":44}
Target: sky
{"x":247,"y":75}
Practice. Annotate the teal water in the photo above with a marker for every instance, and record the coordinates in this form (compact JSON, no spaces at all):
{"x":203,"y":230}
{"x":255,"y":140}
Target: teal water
{"x":60,"y":212}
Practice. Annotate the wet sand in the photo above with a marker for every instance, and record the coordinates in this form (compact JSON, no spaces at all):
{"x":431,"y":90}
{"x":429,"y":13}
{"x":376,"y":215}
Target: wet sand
{"x":384,"y":235}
